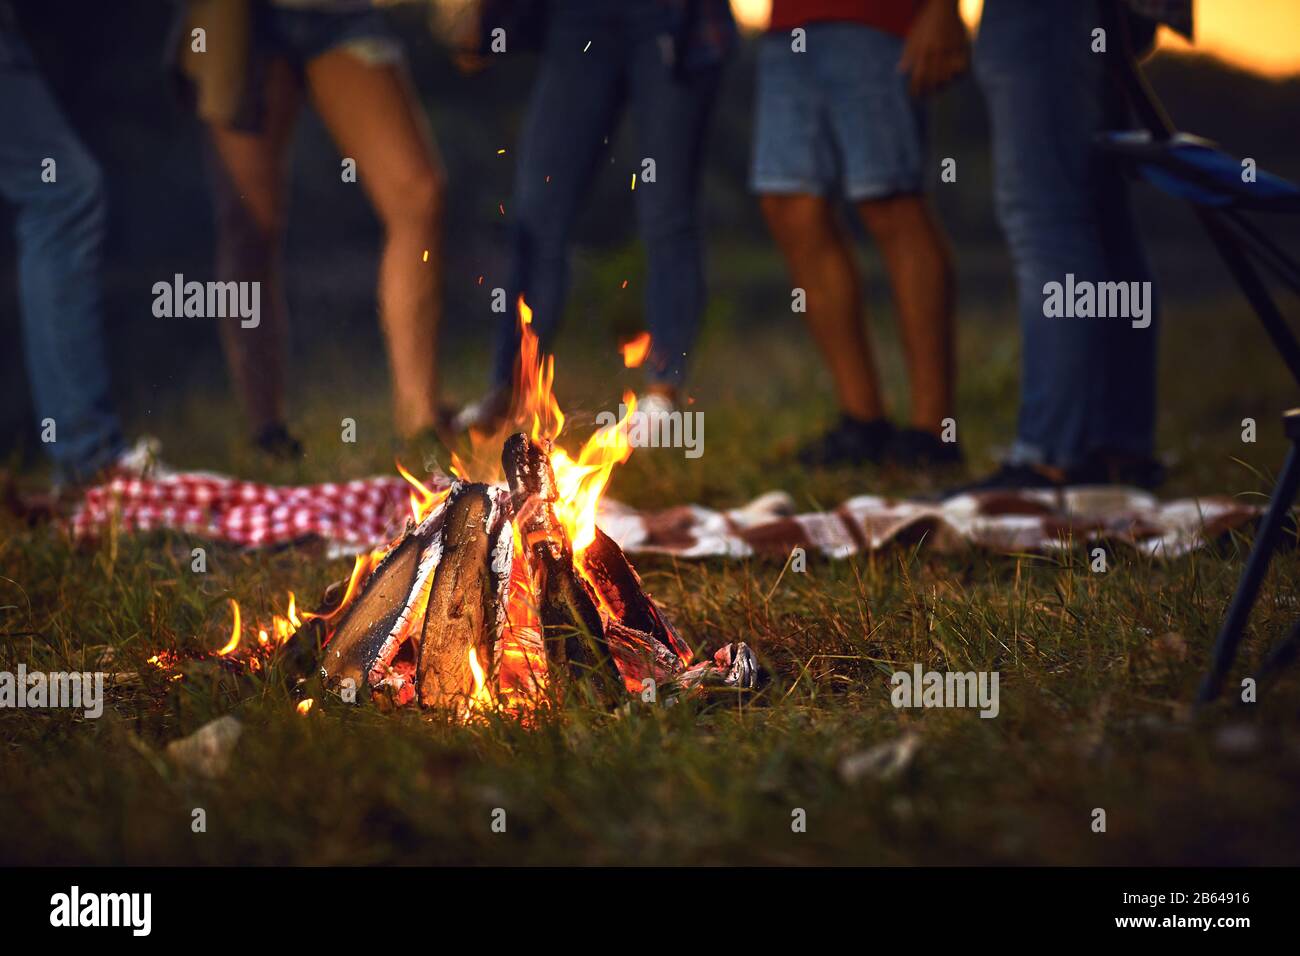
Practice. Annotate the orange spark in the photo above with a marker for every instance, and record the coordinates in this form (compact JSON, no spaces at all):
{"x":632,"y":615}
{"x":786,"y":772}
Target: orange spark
{"x":635,"y":350}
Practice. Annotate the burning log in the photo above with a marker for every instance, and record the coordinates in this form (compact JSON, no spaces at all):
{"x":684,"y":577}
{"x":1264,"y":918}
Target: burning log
{"x":370,"y":632}
{"x":464,"y":608}
{"x":620,"y":588}
{"x":573,"y":633}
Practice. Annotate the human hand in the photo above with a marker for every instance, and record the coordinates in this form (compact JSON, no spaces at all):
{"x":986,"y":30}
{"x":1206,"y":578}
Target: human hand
{"x":466,"y":35}
{"x":937,"y":48}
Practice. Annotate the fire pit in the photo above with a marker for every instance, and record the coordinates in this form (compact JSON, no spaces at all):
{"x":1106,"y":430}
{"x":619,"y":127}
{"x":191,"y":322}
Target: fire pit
{"x":500,"y":595}
{"x":486,"y":603}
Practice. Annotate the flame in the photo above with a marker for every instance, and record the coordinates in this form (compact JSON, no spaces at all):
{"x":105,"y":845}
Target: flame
{"x":482,"y":698}
{"x":304,"y":706}
{"x":534,"y":395}
{"x":360,"y":569}
{"x":581,"y":481}
{"x":234,"y":632}
{"x":635,"y":351}
{"x":424,"y":500}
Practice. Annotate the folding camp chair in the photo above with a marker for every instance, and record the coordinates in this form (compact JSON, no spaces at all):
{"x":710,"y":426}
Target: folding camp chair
{"x":1212,"y":181}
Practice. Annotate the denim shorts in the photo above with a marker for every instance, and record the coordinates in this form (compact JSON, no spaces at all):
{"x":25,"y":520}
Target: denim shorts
{"x":300,"y":35}
{"x":837,"y":117}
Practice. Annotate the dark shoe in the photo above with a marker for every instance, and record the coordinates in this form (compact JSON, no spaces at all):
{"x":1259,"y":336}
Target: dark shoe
{"x":1104,"y":469}
{"x":488,"y":414}
{"x":851,"y":442}
{"x":276,"y":443}
{"x":1006,"y":478}
{"x":918,"y":449}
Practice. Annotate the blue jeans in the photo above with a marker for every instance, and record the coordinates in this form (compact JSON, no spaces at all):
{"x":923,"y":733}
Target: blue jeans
{"x":1088,"y":385}
{"x":575,"y":106}
{"x":60,"y":227}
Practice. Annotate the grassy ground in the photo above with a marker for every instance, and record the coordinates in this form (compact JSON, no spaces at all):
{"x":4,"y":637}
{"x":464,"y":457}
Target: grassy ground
{"x":1095,"y":669}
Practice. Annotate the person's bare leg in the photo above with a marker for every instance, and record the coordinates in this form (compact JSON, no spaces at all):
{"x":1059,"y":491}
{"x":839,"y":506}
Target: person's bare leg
{"x":249,"y":173}
{"x":820,"y":260}
{"x":374,"y":117}
{"x":920,"y":274}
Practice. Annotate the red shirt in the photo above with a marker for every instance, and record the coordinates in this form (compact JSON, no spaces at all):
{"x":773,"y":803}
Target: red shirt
{"x":891,"y":16}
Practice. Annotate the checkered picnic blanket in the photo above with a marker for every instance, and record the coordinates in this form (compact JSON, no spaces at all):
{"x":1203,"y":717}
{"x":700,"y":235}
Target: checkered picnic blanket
{"x":356,"y":516}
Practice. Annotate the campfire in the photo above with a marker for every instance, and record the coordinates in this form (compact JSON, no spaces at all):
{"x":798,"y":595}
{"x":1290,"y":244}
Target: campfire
{"x":501,"y":593}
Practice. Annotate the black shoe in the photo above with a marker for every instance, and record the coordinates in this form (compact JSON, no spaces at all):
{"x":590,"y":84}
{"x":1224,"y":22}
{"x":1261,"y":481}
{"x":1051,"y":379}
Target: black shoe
{"x":275,"y":442}
{"x":851,"y":442}
{"x":915,"y":448}
{"x":1006,"y":478}
{"x":1145,"y":473}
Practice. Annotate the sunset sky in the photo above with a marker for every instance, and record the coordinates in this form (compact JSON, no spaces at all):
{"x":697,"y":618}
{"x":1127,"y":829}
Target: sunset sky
{"x":1260,"y":35}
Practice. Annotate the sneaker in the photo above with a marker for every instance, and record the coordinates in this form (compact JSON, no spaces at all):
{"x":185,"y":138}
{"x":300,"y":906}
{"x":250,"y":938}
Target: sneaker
{"x":277,"y":443}
{"x":648,"y":407}
{"x":141,"y":459}
{"x":138,"y":461}
{"x":487,"y":414}
{"x":851,"y":442}
{"x":918,"y":449}
{"x":655,"y":404}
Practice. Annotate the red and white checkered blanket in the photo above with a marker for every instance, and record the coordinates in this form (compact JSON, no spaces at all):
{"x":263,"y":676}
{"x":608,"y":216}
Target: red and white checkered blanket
{"x":356,"y":516}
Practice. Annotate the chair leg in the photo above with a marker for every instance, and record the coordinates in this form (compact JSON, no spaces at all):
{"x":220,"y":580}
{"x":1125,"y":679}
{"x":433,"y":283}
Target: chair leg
{"x":1284,"y":652}
{"x":1266,"y":540}
{"x":1253,"y":288}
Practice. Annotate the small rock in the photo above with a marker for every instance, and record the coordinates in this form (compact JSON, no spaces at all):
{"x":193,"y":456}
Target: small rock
{"x":207,"y":751}
{"x":883,"y":761}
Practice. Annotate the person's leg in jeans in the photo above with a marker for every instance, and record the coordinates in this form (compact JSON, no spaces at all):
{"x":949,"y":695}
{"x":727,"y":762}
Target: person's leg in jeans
{"x":60,"y":231}
{"x":574,"y":105}
{"x":671,"y":114}
{"x":1087,"y":384}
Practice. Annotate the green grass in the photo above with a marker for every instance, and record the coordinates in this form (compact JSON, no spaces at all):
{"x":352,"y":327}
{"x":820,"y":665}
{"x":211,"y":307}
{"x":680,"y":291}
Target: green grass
{"x":1096,"y":670}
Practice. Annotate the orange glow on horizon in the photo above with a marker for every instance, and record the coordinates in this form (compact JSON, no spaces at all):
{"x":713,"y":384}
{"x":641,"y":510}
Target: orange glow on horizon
{"x":1262,"y":36}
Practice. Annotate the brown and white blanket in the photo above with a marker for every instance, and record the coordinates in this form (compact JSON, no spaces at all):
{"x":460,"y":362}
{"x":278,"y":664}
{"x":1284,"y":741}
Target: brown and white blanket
{"x":360,"y":515}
